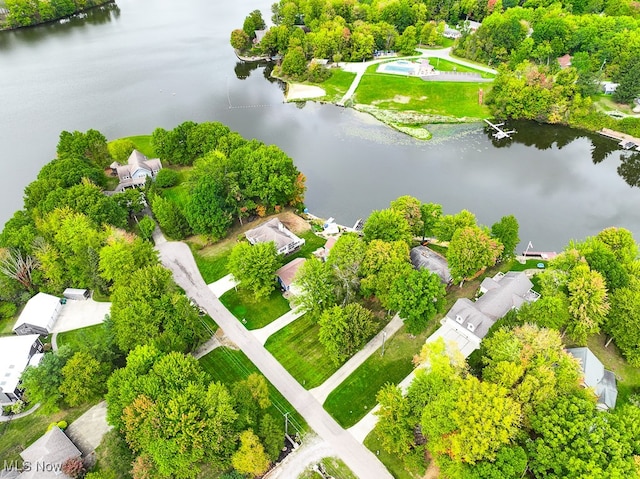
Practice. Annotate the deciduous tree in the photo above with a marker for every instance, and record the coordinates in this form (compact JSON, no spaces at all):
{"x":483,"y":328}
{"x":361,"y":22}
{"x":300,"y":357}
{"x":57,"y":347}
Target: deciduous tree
{"x":447,"y":225}
{"x":471,"y":250}
{"x":387,"y":225}
{"x":254,"y":267}
{"x":345,"y":330}
{"x":316,"y":283}
{"x":345,"y":260}
{"x":506,"y":231}
{"x":83,"y":379}
{"x":250,"y":458}
{"x":588,"y":303}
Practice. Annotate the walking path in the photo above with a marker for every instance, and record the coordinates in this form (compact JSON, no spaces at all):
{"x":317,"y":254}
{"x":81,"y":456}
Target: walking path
{"x":286,"y":319}
{"x":364,"y":464}
{"x":19,"y":415}
{"x":361,"y":67}
{"x":223,"y":285}
{"x":87,"y":431}
{"x":322,"y":391}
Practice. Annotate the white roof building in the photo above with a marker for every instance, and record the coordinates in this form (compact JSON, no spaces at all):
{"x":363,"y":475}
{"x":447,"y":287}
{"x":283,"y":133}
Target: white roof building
{"x":16,"y":353}
{"x":39,"y":315}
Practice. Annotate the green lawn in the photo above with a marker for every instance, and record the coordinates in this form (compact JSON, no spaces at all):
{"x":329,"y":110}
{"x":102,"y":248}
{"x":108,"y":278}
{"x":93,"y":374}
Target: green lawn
{"x":399,"y":93}
{"x":332,"y":466}
{"x":178,"y":194}
{"x":228,"y":366}
{"x":528,"y":264}
{"x":297,"y":348}
{"x":18,"y":434}
{"x":353,"y":399}
{"x":312,"y":243}
{"x":336,"y":86}
{"x":213,"y":267}
{"x":628,"y":376}
{"x":394,"y":463}
{"x":143,"y":144}
{"x":447,"y":66}
{"x":6,"y":325}
{"x":79,"y":337}
{"x":255,"y":314}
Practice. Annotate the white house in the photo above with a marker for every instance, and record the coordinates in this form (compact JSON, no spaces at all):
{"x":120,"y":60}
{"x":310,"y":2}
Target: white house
{"x":39,"y":315}
{"x":16,"y":353}
{"x":136,"y":171}
{"x":500,"y":294}
{"x":273,"y":230}
{"x":609,"y":88}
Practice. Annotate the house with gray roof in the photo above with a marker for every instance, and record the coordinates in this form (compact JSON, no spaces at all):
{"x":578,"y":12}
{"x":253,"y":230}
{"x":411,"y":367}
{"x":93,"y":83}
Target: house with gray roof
{"x":136,"y":171}
{"x":273,"y":230}
{"x":472,"y":319}
{"x":425,"y":258}
{"x":600,"y":380}
{"x":44,"y":458}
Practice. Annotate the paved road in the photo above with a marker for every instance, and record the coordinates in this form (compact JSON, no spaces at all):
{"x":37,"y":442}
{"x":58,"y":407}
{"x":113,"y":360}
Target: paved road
{"x":223,"y":285}
{"x":322,"y":391}
{"x":178,"y":258}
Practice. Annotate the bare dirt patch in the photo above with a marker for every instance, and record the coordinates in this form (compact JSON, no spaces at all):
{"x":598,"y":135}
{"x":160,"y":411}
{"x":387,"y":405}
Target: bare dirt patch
{"x":401,"y":99}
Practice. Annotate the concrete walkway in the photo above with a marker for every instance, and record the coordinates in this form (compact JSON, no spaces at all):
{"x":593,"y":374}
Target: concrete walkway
{"x":19,"y":415}
{"x":364,"y":464}
{"x":322,"y":391}
{"x":80,"y":314}
{"x":207,"y":347}
{"x":286,"y":319}
{"x":223,"y":285}
{"x":87,"y":431}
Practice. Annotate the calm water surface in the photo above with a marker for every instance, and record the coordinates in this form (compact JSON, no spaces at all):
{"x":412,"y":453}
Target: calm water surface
{"x":131,"y":68}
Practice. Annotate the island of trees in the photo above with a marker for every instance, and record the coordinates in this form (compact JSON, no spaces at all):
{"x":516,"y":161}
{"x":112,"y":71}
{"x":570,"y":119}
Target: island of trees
{"x":25,"y":13}
{"x":522,"y":40}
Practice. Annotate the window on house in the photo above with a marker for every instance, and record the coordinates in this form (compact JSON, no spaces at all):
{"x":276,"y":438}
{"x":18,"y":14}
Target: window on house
{"x":471,"y":327}
{"x":459,"y":319}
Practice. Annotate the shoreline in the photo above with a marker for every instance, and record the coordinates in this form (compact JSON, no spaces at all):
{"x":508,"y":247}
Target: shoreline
{"x":56,"y":20}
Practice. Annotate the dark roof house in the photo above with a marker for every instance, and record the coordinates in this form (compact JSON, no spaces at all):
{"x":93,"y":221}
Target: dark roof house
{"x":46,"y":456}
{"x":425,"y":258}
{"x":273,"y":230}
{"x":596,"y":377}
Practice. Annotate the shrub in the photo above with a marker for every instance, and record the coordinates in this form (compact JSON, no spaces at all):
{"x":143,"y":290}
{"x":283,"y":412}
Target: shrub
{"x":167,"y":178}
{"x":318,"y":73}
{"x":62,"y":425}
{"x":73,"y":467}
{"x":7,"y":310}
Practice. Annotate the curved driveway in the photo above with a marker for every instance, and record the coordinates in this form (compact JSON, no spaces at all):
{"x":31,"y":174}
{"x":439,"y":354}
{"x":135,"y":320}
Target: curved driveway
{"x":178,"y":258}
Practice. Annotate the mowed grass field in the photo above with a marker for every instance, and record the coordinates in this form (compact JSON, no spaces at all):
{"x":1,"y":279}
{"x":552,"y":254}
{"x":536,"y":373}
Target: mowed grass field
{"x":297,"y":348}
{"x":255,"y":314}
{"x":400,"y":93}
{"x":228,"y":366}
{"x":336,"y":86}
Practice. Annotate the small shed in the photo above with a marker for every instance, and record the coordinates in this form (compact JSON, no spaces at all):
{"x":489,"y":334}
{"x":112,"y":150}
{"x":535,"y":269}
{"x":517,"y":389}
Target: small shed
{"x":39,"y":315}
{"x":287,"y":273}
{"x":77,"y":294}
{"x":609,"y":88}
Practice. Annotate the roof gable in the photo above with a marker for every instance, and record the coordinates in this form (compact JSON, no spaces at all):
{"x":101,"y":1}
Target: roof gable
{"x":53,"y":448}
{"x":39,"y":311}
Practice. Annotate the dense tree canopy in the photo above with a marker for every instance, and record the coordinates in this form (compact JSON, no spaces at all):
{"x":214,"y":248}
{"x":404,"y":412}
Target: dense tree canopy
{"x":343,"y":331}
{"x":254,"y":267}
{"x":471,"y":250}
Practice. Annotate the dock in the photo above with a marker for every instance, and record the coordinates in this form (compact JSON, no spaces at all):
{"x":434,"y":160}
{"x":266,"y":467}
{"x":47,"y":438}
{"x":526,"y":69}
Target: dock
{"x":626,"y":142}
{"x":499,"y":132}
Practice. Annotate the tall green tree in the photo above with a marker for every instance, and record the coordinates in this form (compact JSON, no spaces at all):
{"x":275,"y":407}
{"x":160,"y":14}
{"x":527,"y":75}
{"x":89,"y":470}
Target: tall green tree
{"x":170,"y":218}
{"x":411,"y":208}
{"x":123,"y":254}
{"x":506,"y":231}
{"x":254,"y":267}
{"x":470,"y":251}
{"x":447,"y":225}
{"x":382,"y":265}
{"x":345,"y":261}
{"x":316,"y":283}
{"x":418,"y":297}
{"x":588,"y":303}
{"x":394,"y":428}
{"x":83,"y":379}
{"x":41,"y":384}
{"x":343,"y":331}
{"x":387,"y":225}
{"x":250,"y":458}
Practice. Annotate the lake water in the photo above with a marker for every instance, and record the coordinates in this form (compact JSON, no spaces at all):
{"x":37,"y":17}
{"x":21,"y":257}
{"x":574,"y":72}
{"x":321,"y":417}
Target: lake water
{"x":128,"y":69}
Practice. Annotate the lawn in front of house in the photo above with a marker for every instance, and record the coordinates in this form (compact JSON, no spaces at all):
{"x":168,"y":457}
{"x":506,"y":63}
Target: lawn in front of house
{"x":6,"y":325}
{"x":229,"y":366}
{"x":627,"y":376}
{"x":356,"y":395}
{"x":398,"y":93}
{"x":18,"y":434}
{"x":297,"y":348}
{"x":255,"y":314}
{"x":311,"y":243}
{"x":77,"y":338}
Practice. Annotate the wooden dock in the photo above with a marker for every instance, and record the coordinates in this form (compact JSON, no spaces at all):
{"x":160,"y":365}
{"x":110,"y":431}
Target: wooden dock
{"x":499,"y":132}
{"x":627,"y":142}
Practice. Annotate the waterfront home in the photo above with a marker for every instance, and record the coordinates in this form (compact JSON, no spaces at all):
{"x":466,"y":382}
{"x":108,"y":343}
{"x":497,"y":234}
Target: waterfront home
{"x":595,"y":377}
{"x":287,"y":274}
{"x":136,"y":171}
{"x":425,"y":258}
{"x":273,"y":230}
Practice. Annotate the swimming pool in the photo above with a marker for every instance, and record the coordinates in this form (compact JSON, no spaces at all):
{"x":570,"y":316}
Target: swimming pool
{"x":402,"y":67}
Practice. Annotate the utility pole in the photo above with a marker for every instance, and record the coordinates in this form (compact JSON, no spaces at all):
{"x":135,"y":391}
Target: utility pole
{"x":384,"y":336}
{"x":286,"y":424}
